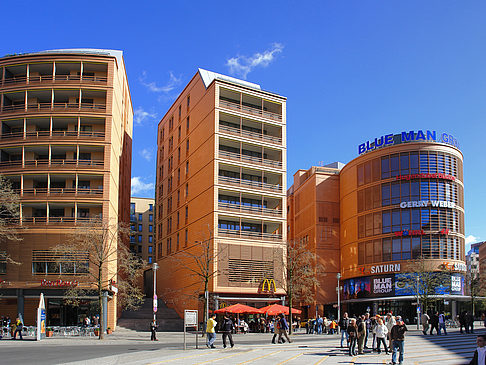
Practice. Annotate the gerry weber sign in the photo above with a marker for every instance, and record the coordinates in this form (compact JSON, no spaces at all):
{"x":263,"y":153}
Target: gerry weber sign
{"x":428,"y":203}
{"x":404,"y":137}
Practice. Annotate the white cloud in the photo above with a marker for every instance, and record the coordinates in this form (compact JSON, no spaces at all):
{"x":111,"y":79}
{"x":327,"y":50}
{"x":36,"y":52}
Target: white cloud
{"x":146,"y":154}
{"x":243,"y":65}
{"x":139,"y":115}
{"x":471,"y":239}
{"x":139,"y":186}
{"x":152,"y":86}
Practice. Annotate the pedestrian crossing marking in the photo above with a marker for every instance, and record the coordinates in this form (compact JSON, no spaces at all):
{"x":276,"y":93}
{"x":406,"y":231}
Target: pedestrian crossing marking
{"x":260,"y":357}
{"x":179,"y":358}
{"x":224,"y":357}
{"x":321,"y":360}
{"x":294,"y":357}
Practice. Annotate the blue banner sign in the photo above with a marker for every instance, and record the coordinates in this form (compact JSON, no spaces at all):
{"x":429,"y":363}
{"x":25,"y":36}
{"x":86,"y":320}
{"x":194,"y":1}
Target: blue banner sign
{"x":405,"y":137}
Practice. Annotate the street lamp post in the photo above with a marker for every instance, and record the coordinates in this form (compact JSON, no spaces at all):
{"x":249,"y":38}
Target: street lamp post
{"x":338,"y":289}
{"x":155,"y":267}
{"x":419,"y":312}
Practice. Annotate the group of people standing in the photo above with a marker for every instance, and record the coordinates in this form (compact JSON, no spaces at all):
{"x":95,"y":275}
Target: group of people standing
{"x":321,"y":325}
{"x":357,"y":331}
{"x":13,"y":327}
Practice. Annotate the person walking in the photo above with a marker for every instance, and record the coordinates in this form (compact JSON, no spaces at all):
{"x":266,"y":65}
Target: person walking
{"x":283,"y":329}
{"x":462,"y":322}
{"x":389,"y":323}
{"x":211,"y":331}
{"x":362,"y":332}
{"x":479,"y":357}
{"x":343,"y":326}
{"x":369,"y":329}
{"x":442,"y":325}
{"x":381,"y":332}
{"x":153,"y":330}
{"x":434,"y":323}
{"x":227,"y":329}
{"x":470,"y":322}
{"x":352,"y":331}
{"x":18,"y":328}
{"x":276,"y":330}
{"x":398,"y":338}
{"x":425,"y":322}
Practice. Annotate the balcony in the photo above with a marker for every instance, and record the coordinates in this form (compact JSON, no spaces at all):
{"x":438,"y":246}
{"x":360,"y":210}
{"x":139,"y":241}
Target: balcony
{"x":251,"y":135}
{"x":250,"y":159}
{"x":248,"y":234}
{"x":240,"y":208}
{"x":249,"y":184}
{"x":253,"y":110}
{"x":57,"y":192}
{"x":39,"y":135}
{"x":55,"y":221}
{"x":45,"y":163}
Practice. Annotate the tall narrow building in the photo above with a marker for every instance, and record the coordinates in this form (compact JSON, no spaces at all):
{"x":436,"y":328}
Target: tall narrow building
{"x":221,"y":184}
{"x":65,"y":144}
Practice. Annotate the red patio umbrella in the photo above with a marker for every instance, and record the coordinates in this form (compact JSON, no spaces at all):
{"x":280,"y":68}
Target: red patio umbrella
{"x":274,"y":309}
{"x":239,"y":309}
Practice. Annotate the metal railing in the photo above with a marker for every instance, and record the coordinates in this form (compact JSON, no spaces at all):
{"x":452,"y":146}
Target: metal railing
{"x":54,"y":220}
{"x":47,"y":134}
{"x":58,"y":191}
{"x":252,"y":235}
{"x":249,"y":184}
{"x":250,"y":110}
{"x":250,"y":209}
{"x":251,"y":135}
{"x":52,"y":163}
{"x":250,"y":159}
{"x":42,"y":107}
{"x":18,"y":80}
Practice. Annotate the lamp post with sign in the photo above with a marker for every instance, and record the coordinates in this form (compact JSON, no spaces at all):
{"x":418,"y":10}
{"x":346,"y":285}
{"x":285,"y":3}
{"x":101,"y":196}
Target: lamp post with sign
{"x":418,"y":303}
{"x":155,"y":267}
{"x":338,"y":290}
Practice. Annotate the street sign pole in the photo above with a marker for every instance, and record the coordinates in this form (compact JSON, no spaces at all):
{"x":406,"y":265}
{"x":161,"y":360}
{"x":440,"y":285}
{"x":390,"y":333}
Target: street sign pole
{"x":190,"y":320}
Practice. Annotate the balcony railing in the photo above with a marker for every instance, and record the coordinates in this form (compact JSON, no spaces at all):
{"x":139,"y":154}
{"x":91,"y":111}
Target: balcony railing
{"x":55,"y":134}
{"x":250,"y":209}
{"x":52,"y":163}
{"x":246,"y":234}
{"x":250,"y":110}
{"x":43,"y":79}
{"x":58,"y":191}
{"x":53,"y":220}
{"x":56,"y":107}
{"x":249,"y":184}
{"x":251,"y":135}
{"x":250,"y":159}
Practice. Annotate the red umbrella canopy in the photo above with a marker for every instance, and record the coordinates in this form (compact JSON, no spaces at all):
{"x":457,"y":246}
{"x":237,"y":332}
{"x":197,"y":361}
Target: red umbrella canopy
{"x":274,"y":309}
{"x":239,"y":309}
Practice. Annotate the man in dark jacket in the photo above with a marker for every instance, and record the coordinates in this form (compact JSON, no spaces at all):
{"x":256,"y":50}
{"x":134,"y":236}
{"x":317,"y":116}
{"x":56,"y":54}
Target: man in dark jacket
{"x":153,"y":330}
{"x":480,"y":353}
{"x":227,"y":328}
{"x":397,"y":336}
{"x":343,"y":326}
{"x":434,"y":323}
{"x":283,"y":329}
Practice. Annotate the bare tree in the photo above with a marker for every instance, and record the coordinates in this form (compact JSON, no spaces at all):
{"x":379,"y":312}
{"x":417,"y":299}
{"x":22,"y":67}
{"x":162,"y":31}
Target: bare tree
{"x":9,"y":211}
{"x":99,"y":250}
{"x":199,"y":260}
{"x":302,"y":274}
{"x":424,"y":280}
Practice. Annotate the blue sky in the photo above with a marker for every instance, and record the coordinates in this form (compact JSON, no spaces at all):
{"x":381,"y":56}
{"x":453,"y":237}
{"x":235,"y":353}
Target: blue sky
{"x":351,"y":70}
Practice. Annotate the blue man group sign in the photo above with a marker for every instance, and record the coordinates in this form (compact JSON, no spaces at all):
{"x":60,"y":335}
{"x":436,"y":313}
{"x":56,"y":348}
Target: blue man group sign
{"x":404,"y":137}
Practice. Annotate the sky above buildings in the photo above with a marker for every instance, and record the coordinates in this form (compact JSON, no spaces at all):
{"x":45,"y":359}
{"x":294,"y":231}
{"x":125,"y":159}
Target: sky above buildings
{"x":351,"y":70}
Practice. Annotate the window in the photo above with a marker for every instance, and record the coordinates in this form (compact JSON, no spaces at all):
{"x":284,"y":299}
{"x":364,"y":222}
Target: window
{"x":187,"y":146}
{"x":179,"y":133}
{"x":150,"y":249}
{"x":187,"y":190}
{"x":140,"y":228}
{"x":187,"y":125}
{"x":3,"y":262}
{"x":188,"y":101}
{"x":151,"y":207}
{"x":151,"y":228}
{"x":150,"y":239}
{"x":140,"y":217}
{"x":186,"y":237}
{"x":139,"y":239}
{"x":187,"y":213}
{"x":151,"y":217}
{"x":50,"y":262}
{"x":177,"y":242}
{"x":180,"y":111}
{"x":132,"y":208}
{"x":150,"y":260}
{"x":139,"y":249}
{"x":187,"y":169}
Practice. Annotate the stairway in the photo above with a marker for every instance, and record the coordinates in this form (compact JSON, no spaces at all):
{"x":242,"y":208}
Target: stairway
{"x":139,"y":320}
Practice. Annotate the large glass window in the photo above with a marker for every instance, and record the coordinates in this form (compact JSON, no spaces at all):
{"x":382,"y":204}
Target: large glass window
{"x":404,"y":164}
{"x":385,"y":195}
{"x":395,"y":193}
{"x":387,"y":250}
{"x":414,"y":163}
{"x":406,"y":249}
{"x":394,"y":165}
{"x":396,"y":249}
{"x":405,"y":187}
{"x":396,"y":224}
{"x":386,"y":221}
{"x":385,"y":167}
{"x":416,"y":247}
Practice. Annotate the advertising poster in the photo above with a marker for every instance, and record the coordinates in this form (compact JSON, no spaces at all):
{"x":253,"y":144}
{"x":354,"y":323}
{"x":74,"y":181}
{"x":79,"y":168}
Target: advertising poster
{"x":457,"y":284}
{"x":357,"y":288}
{"x":404,"y":284}
{"x":383,"y":286}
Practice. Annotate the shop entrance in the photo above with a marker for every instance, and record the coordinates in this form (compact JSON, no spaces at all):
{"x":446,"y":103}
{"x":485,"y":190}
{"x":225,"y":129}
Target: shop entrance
{"x":61,"y":314}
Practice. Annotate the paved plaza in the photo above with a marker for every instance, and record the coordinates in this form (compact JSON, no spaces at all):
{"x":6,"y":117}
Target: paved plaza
{"x":129,"y":347}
